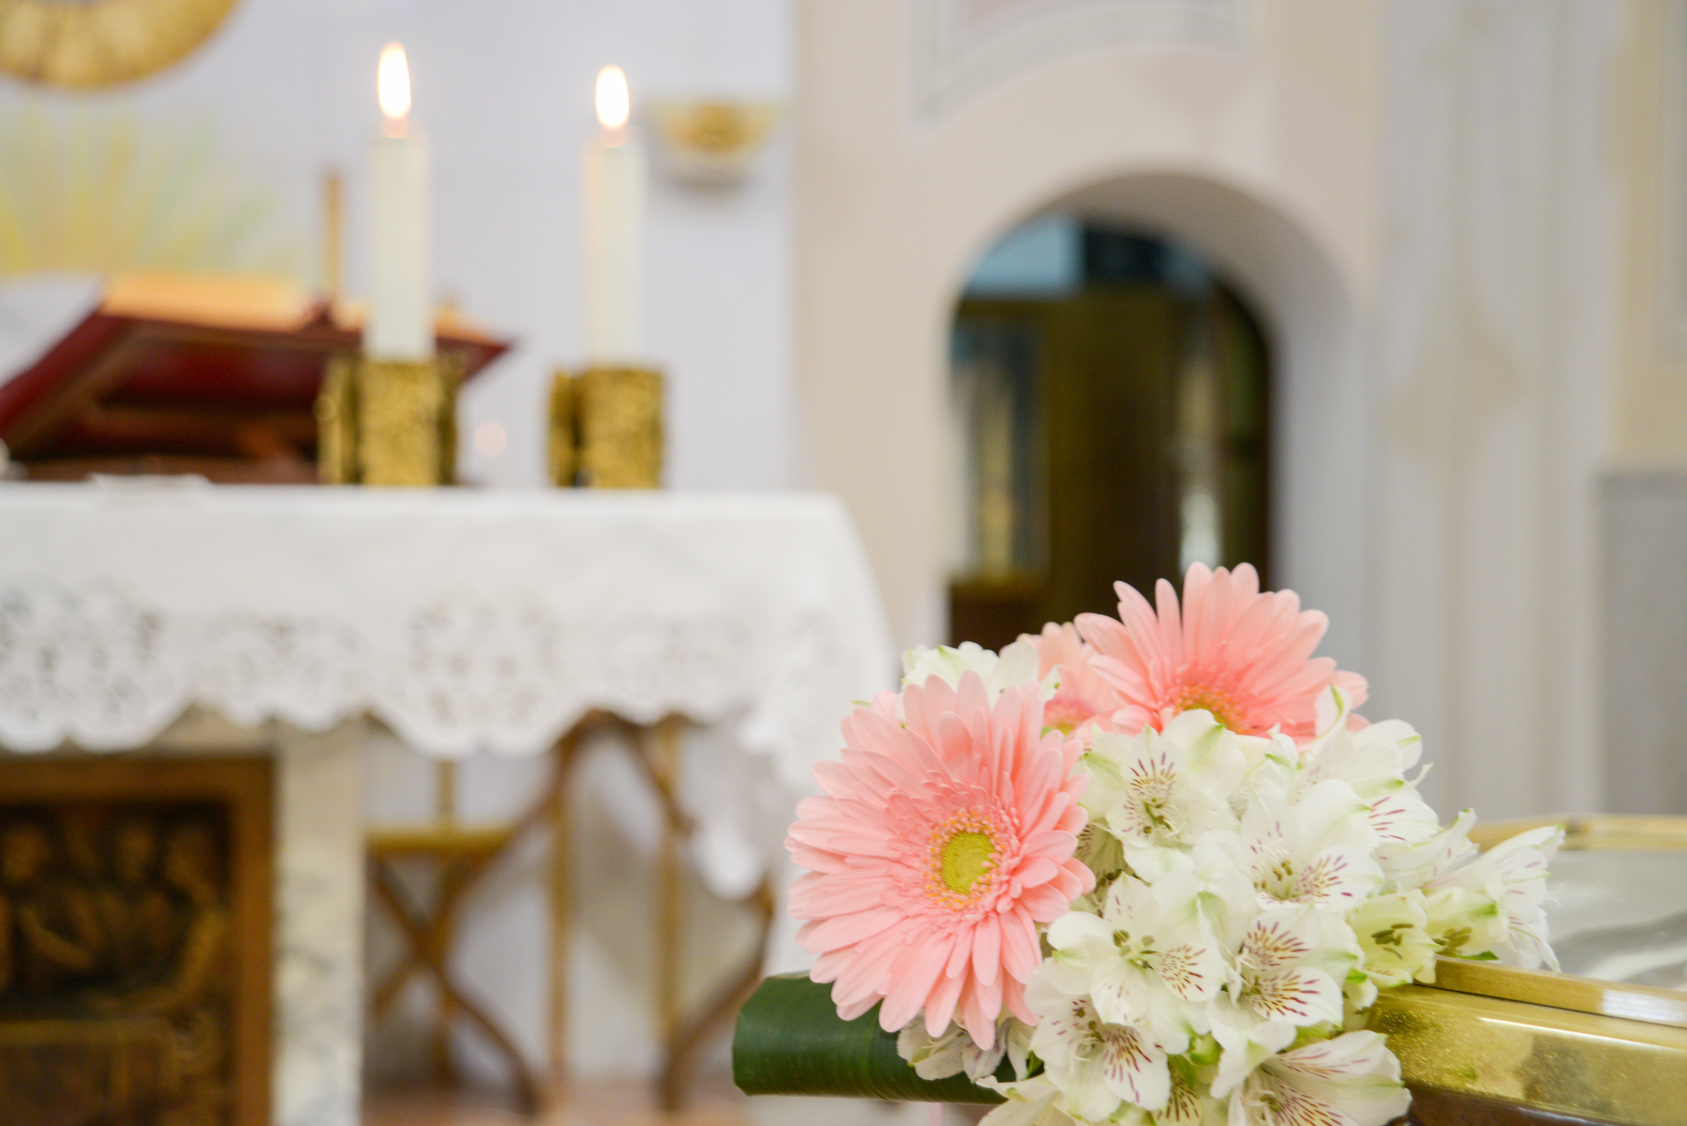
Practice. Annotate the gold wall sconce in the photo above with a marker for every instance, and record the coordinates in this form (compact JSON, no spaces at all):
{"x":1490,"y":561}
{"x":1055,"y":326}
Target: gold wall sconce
{"x":710,"y":142}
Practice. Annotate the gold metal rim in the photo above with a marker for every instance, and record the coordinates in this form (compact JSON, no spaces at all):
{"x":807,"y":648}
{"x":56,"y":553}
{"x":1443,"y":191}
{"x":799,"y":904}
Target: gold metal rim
{"x":1563,"y":991}
{"x":1550,"y":1059}
{"x":1595,"y":831}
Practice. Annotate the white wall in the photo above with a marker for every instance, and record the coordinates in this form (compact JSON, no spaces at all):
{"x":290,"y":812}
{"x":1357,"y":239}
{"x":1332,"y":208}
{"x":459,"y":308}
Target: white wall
{"x":1496,"y":363}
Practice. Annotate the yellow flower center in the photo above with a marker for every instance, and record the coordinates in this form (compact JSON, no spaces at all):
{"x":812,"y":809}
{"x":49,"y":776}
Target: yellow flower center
{"x":966,"y":857}
{"x":961,"y":860}
{"x":1212,"y":700}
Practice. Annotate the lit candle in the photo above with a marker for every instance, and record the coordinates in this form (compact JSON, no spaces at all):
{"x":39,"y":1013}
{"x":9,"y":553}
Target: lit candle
{"x":400,"y":324}
{"x":614,"y":184}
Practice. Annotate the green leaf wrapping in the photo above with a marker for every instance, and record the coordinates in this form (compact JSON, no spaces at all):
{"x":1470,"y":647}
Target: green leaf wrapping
{"x":790,"y":1041}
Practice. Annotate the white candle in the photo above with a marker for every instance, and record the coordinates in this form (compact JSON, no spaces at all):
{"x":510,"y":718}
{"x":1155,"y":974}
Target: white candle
{"x":614,"y":183}
{"x":400,"y":324}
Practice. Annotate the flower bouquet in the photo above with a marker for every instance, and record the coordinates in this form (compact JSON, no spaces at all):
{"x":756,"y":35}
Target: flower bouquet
{"x":1151,"y":869}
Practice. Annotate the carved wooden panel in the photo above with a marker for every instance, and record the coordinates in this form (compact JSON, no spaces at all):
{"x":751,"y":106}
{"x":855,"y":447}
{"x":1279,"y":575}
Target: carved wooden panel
{"x":135,"y":951}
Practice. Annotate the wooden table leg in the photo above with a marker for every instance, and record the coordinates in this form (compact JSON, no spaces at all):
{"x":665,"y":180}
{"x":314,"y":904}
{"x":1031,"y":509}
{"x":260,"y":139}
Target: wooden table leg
{"x":429,"y":939}
{"x":682,"y":1047}
{"x":441,"y":938}
{"x":461,"y":857}
{"x":561,"y":901}
{"x":670,"y":909}
{"x":445,"y":1010}
{"x":656,"y":751}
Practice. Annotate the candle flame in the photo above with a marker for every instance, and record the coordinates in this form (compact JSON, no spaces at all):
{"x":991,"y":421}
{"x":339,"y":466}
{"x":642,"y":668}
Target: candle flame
{"x":392,"y":84}
{"x":613,"y":101}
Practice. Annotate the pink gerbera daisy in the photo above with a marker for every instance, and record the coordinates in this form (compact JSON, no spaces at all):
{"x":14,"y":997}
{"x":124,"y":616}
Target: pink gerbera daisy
{"x":1244,"y":656}
{"x":941,"y":843}
{"x":1084,"y":696}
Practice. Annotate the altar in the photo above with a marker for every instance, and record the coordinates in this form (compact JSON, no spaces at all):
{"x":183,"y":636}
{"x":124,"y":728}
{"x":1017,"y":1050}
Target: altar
{"x":278,"y":621}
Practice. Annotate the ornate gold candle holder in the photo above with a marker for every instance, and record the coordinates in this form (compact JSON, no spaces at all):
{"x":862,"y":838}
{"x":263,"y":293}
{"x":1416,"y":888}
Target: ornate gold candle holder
{"x":388,"y":422}
{"x":336,"y":422}
{"x":564,"y":430}
{"x":619,"y":420}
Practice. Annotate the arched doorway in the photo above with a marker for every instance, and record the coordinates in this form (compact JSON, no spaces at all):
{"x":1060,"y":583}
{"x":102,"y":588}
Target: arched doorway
{"x":1110,"y":419}
{"x":875,"y":369}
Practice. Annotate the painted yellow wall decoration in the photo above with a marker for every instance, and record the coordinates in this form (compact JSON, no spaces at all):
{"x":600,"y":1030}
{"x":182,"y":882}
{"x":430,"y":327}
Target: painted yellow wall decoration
{"x":102,"y":193}
{"x":82,"y":44}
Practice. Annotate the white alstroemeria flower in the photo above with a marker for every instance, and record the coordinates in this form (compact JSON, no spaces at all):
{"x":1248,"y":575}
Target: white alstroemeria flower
{"x":1407,"y":866}
{"x":1374,"y":761}
{"x":1329,"y":713}
{"x":939,"y":1057}
{"x":1030,"y":1102}
{"x":1102,"y":853}
{"x":1191,"y":1102}
{"x":1315,"y":852}
{"x":1162,"y":790}
{"x":1148,"y":957}
{"x":1246,"y":1041}
{"x":1286,"y":975}
{"x":1395,"y":945}
{"x":1352,"y":1080}
{"x":1403,"y":817}
{"x":1512,"y":874}
{"x":1463,"y":922}
{"x":1099,"y":1067}
{"x":1014,"y":666}
{"x":1273,"y":763}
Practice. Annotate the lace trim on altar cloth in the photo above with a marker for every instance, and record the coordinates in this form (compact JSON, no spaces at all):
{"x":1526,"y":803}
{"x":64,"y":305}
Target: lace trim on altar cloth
{"x":102,"y":670}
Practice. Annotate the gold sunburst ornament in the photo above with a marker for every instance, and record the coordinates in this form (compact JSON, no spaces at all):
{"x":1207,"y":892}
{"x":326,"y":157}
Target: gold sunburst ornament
{"x":83,"y":44}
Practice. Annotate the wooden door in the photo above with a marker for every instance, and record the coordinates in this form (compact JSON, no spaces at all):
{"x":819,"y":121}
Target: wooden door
{"x":1131,"y":400}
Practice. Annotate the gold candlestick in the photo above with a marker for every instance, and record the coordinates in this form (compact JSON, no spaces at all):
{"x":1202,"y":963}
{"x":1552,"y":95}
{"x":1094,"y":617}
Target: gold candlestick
{"x":336,"y":422}
{"x":620,"y":428}
{"x":564,"y":429}
{"x":389,"y":422}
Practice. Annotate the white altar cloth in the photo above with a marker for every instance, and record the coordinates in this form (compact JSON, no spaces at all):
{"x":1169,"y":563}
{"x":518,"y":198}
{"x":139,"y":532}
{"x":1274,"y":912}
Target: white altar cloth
{"x":465,"y":620}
